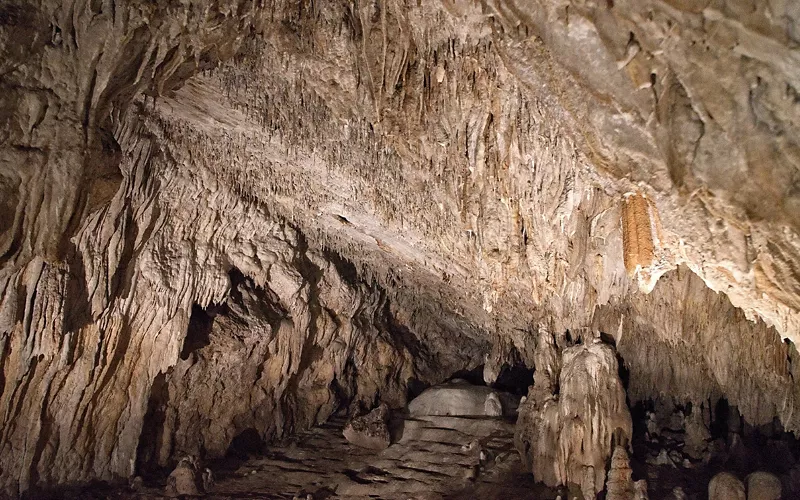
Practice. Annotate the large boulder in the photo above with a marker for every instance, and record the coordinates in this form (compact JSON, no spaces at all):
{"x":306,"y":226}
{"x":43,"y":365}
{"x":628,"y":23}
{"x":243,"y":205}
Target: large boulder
{"x":763,"y":486}
{"x":567,"y":438}
{"x":725,"y":486}
{"x":371,"y":430}
{"x":460,"y":398}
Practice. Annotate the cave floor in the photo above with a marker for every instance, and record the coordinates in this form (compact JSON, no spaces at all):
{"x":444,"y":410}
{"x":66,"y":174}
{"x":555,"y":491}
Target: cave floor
{"x":433,"y":457}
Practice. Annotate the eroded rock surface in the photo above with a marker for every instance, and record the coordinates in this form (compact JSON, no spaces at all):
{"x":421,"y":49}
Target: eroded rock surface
{"x":460,"y":398}
{"x":566,"y":437}
{"x":370,"y":430}
{"x":227,"y":219}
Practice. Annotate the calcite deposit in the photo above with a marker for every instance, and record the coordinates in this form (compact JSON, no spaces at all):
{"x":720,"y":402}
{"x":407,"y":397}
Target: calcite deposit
{"x":223,"y":222}
{"x":567,"y":435}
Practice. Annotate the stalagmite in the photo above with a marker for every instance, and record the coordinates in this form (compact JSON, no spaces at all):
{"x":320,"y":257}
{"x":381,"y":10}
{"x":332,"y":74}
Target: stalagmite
{"x":763,"y":486}
{"x":567,"y":437}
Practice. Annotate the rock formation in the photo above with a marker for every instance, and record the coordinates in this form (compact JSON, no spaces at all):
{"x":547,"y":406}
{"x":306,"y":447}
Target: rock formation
{"x":763,"y":486}
{"x":460,"y":398}
{"x":619,"y":485}
{"x":188,"y":479}
{"x":370,"y":430}
{"x":221,"y":222}
{"x":725,"y":486}
{"x":568,"y":436}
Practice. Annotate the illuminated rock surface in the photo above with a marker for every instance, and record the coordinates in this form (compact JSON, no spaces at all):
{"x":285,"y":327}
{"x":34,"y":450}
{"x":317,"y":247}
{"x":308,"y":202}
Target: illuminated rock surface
{"x":221,"y":223}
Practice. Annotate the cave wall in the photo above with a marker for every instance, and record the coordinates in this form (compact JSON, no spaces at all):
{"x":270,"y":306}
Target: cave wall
{"x":470,"y":162}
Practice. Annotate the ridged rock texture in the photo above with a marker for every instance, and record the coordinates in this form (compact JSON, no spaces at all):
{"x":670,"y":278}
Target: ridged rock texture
{"x":220,"y":218}
{"x":567,"y":436}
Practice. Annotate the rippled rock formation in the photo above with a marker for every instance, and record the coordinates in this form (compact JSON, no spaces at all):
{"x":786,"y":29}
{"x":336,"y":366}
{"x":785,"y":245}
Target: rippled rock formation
{"x":235,"y":219}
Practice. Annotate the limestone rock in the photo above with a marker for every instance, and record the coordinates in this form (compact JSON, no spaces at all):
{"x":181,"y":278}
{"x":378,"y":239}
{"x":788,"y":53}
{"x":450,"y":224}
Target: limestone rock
{"x":404,"y":188}
{"x":370,"y":430}
{"x":698,"y":437}
{"x":561,"y":447}
{"x":763,"y":486}
{"x":678,"y":494}
{"x":460,"y":399}
{"x":619,"y":485}
{"x":492,"y":406}
{"x":726,"y":486}
{"x":186,"y":479}
{"x":207,"y":479}
{"x":640,"y":490}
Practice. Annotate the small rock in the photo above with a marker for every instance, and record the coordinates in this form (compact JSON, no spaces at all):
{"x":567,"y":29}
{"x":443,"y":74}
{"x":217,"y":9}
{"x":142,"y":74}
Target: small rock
{"x":678,"y":494}
{"x":640,"y":490}
{"x":661,"y":459}
{"x":492,"y":406}
{"x":763,"y":486}
{"x":371,"y":430}
{"x":184,"y":479}
{"x":652,"y":425}
{"x":137,"y":483}
{"x":725,"y":486}
{"x":470,"y":446}
{"x":208,"y":479}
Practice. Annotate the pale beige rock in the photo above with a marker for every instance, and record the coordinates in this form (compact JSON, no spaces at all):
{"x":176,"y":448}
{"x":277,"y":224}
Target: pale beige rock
{"x":566,"y":438}
{"x":492,"y":407}
{"x":725,"y":486}
{"x":460,"y":399}
{"x":454,"y":173}
{"x":763,"y":486}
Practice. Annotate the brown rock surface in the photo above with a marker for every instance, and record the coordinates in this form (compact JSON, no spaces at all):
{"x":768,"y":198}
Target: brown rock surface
{"x":371,"y":430}
{"x":725,"y":486}
{"x":228,"y":219}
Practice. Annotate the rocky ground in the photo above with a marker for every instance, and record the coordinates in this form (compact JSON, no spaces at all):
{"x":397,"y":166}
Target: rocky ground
{"x":433,"y":457}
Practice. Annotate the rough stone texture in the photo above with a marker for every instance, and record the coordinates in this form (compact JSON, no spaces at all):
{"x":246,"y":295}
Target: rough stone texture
{"x":440,"y":175}
{"x":566,"y":437}
{"x":370,"y":430}
{"x":185,"y":480}
{"x":619,"y":485}
{"x":763,"y":486}
{"x":725,"y":486}
{"x":462,"y":399}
